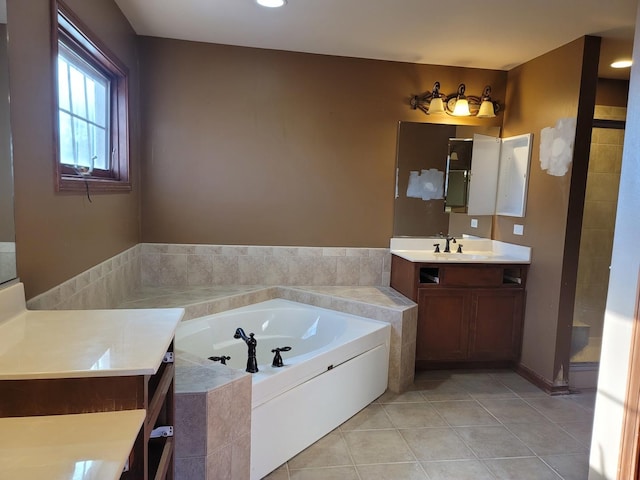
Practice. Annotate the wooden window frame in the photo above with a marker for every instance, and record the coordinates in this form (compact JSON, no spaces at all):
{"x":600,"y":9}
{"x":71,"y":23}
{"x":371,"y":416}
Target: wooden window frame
{"x":68,"y":28}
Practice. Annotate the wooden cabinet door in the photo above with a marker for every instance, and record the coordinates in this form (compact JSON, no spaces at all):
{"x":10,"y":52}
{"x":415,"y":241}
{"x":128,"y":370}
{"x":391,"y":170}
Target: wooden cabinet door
{"x":495,"y":328}
{"x":443,"y":324}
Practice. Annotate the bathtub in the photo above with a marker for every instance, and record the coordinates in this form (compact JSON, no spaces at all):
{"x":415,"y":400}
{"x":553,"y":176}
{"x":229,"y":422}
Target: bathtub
{"x":337,"y":365}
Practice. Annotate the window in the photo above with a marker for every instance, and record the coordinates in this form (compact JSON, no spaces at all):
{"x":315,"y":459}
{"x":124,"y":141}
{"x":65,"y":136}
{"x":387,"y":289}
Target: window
{"x":91,"y":110}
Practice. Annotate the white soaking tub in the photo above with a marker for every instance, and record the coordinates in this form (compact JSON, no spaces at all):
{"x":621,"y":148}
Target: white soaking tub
{"x":337,"y":365}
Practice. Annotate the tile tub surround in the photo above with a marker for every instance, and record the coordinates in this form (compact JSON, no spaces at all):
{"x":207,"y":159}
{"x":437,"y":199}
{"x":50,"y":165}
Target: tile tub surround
{"x":7,"y":260}
{"x":106,"y":285}
{"x":171,"y":264}
{"x":110,"y":283}
{"x":352,"y":280}
{"x":213,"y":421}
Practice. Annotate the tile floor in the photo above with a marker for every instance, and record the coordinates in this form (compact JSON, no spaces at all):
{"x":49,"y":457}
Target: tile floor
{"x":456,"y":426}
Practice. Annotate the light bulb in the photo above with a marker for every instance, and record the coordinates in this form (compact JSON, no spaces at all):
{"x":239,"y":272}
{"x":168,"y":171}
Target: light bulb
{"x":271,"y":3}
{"x":462,"y":108}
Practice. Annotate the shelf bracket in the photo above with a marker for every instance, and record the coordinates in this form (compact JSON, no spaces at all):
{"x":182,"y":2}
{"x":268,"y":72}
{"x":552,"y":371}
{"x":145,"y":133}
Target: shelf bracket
{"x":168,"y":357}
{"x":162,"y":432}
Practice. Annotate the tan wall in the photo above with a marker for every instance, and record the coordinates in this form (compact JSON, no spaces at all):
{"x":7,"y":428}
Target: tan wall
{"x":612,"y":92}
{"x":538,"y":94}
{"x":249,"y":146}
{"x":59,"y":236}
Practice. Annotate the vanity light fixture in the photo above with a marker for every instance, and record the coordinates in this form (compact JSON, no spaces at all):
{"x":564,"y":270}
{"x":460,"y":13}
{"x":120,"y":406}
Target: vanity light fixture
{"x":271,"y":3}
{"x":457,"y":104}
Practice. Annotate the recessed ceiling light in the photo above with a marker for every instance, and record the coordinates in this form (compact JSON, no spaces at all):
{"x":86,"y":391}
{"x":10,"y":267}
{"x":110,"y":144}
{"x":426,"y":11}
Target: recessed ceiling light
{"x":271,"y":3}
{"x":621,"y":64}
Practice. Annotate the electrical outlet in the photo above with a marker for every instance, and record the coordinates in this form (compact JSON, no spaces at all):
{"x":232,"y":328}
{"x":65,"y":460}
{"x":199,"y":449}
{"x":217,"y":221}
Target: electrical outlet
{"x":474,"y":223}
{"x":518,"y":229}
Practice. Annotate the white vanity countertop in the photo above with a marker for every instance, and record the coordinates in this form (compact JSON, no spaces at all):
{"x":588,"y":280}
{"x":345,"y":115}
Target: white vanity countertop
{"x":88,"y":446}
{"x":475,"y":250}
{"x":81,"y":343}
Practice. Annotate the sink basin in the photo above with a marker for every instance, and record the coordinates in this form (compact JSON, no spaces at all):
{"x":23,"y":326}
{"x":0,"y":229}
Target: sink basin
{"x":475,"y":250}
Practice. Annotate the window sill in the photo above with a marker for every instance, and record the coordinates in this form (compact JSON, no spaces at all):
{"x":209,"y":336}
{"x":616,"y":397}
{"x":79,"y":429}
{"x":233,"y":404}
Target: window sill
{"x":96,"y":185}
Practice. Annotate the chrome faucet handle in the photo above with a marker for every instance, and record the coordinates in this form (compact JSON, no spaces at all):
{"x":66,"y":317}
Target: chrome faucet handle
{"x":460,"y":248}
{"x":437,"y":250}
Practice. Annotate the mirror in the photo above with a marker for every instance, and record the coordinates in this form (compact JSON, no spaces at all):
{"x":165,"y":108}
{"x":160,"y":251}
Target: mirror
{"x":7,"y":225}
{"x":458,"y":171}
{"x":423,"y":153}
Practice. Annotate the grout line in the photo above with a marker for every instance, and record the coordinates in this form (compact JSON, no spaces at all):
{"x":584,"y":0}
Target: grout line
{"x":346,"y":444}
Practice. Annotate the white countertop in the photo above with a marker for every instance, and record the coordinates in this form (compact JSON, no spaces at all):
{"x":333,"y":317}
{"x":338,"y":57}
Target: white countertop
{"x":475,"y":250}
{"x":81,"y":343}
{"x":89,"y":446}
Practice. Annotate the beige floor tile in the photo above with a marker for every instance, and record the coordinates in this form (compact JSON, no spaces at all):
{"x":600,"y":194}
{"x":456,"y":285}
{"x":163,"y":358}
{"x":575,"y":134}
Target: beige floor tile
{"x":405,"y":415}
{"x":560,"y":409}
{"x":570,"y":467}
{"x":371,"y":417}
{"x":485,"y":386}
{"x":327,"y":473}
{"x":377,"y":446}
{"x":493,"y":442}
{"x":531,"y":468}
{"x":586,"y":400}
{"x":524,"y":389}
{"x":512,"y":410}
{"x":581,"y":431}
{"x":329,"y":451}
{"x":458,"y":470}
{"x":406,"y":397}
{"x":464,"y":413}
{"x":436,"y":444}
{"x":280,"y":473}
{"x":440,"y":390}
{"x":392,"y":471}
{"x":546,"y":438}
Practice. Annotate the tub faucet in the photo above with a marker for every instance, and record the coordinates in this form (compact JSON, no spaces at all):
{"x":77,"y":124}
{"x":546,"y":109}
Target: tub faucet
{"x":277,"y":358}
{"x":223,"y":359}
{"x":252,"y":363}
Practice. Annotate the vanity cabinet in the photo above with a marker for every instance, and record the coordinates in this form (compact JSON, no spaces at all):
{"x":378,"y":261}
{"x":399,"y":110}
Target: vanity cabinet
{"x":468,"y":313}
{"x":67,"y":362}
{"x":150,"y":458}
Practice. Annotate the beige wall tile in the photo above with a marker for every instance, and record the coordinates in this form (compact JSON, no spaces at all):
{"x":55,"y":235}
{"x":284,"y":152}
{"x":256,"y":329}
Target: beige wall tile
{"x":220,"y":421}
{"x":219,"y":464}
{"x":225,"y":270}
{"x":190,"y":425}
{"x":199,"y":269}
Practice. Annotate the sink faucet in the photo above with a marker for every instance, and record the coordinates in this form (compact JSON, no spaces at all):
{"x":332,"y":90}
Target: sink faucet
{"x":252,"y":363}
{"x":448,"y":239}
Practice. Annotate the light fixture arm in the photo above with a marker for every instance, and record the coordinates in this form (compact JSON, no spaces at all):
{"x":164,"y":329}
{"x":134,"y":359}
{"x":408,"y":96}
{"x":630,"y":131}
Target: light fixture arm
{"x":422,"y":102}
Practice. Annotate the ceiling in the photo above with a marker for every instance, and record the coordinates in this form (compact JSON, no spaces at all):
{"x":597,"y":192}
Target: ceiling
{"x":493,"y":34}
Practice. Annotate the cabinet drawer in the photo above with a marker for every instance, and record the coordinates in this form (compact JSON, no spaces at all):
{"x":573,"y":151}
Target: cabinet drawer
{"x":471,"y":276}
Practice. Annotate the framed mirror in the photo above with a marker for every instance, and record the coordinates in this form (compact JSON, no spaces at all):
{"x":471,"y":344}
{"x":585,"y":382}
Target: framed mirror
{"x":7,"y":224}
{"x":423,"y":204}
